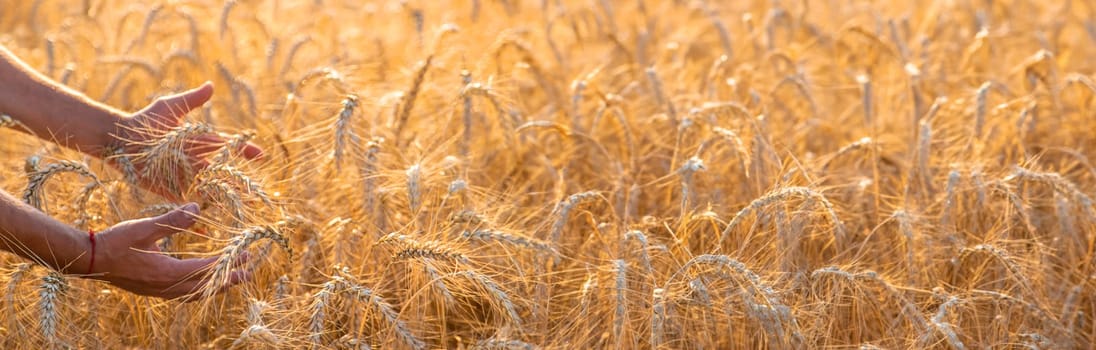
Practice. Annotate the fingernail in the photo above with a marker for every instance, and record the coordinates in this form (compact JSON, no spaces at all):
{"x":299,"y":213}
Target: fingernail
{"x":191,"y":208}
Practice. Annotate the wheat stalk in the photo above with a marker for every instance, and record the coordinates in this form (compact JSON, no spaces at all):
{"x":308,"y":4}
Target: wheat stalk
{"x":862,"y":143}
{"x":222,"y":192}
{"x":409,"y":248}
{"x":414,"y":187}
{"x":939,"y":323}
{"x":905,"y":227}
{"x":644,"y":256}
{"x":129,"y":170}
{"x":257,"y":332}
{"x":438,"y":281}
{"x":774,"y":316}
{"x":50,"y":292}
{"x":36,"y":180}
{"x":510,"y":239}
{"x":564,"y":209}
{"x":660,"y":95}
{"x":867,"y":98}
{"x":621,"y":269}
{"x":430,"y":250}
{"x":6,"y":121}
{"x":223,"y":171}
{"x":503,"y":344}
{"x":164,"y":159}
{"x":14,"y":279}
{"x":366,"y":295}
{"x":658,"y":317}
{"x":949,"y":200}
{"x":1056,"y":181}
{"x":1001,"y":256}
{"x":784,"y":194}
{"x":320,"y":300}
{"x":499,"y":296}
{"x":688,"y":191}
{"x":220,"y":271}
{"x":907,"y":308}
{"x":343,"y":128}
{"x":587,"y":293}
{"x":410,"y":96}
{"x":233,"y":145}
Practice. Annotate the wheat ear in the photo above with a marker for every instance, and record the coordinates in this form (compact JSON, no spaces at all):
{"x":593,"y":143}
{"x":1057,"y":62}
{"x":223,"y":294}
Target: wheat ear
{"x":510,"y":239}
{"x":51,"y":290}
{"x":378,"y":304}
{"x":503,"y":344}
{"x":165,"y":160}
{"x":782,"y":195}
{"x":565,"y":208}
{"x":36,"y":180}
{"x":411,"y":95}
{"x":497,"y":293}
{"x":343,"y":129}
{"x":221,"y":269}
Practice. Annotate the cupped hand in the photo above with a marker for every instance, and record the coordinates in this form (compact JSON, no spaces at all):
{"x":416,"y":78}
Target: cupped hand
{"x":126,"y":255}
{"x":164,"y":114}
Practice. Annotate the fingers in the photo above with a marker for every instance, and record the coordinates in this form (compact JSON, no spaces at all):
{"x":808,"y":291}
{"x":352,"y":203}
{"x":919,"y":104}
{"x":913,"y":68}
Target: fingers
{"x":206,"y":145}
{"x":196,"y":281}
{"x":191,"y":291}
{"x":165,"y":225}
{"x":252,"y":151}
{"x":198,"y":269}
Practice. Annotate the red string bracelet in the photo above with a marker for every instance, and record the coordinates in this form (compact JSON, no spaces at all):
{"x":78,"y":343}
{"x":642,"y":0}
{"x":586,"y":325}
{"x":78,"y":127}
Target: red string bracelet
{"x":91,"y":237}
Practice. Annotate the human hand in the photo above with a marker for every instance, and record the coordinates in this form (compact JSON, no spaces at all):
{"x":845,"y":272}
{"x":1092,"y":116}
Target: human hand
{"x":157,"y":119}
{"x":126,"y":255}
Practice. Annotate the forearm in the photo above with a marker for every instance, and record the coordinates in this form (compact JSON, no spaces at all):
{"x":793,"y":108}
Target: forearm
{"x":34,"y":235}
{"x":53,"y":111}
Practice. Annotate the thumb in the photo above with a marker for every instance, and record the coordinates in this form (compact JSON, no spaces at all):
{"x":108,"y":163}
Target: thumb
{"x":165,"y":225}
{"x":180,"y":104}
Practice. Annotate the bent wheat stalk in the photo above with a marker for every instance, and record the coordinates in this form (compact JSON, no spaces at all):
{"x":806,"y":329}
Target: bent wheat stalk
{"x":36,"y":180}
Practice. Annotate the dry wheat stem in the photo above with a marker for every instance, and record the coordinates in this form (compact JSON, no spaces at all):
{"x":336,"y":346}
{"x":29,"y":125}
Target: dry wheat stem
{"x":409,"y":248}
{"x":774,"y":316}
{"x":219,"y":273}
{"x":621,"y":269}
{"x":50,"y":292}
{"x":503,"y":344}
{"x":905,"y":227}
{"x":658,"y":317}
{"x":688,"y":190}
{"x":564,"y":209}
{"x":6,"y":121}
{"x":411,"y":95}
{"x":939,"y":322}
{"x":414,"y":187}
{"x":36,"y":180}
{"x":1060,"y":184}
{"x":225,"y":194}
{"x":343,"y":129}
{"x":341,"y":286}
{"x":784,"y":194}
{"x":224,"y":171}
{"x":164,"y":158}
{"x":499,"y":296}
{"x":17,"y":274}
{"x":488,"y":235}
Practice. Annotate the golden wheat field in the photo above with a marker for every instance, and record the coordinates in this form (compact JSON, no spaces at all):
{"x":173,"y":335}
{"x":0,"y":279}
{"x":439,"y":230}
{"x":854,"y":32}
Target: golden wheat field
{"x":573,"y":174}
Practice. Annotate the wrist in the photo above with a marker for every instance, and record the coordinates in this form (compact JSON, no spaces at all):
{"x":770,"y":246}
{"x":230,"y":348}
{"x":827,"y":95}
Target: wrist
{"x":104,"y":138}
{"x":86,"y":257}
